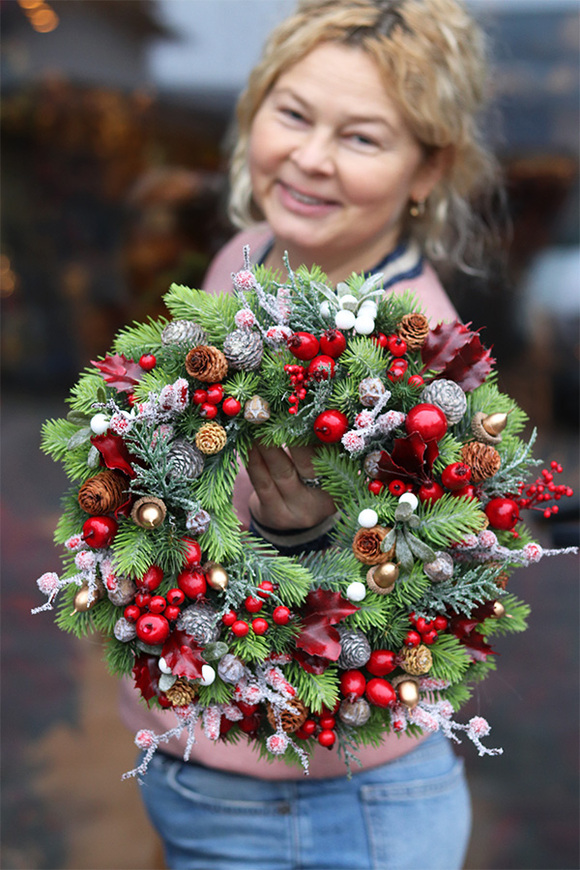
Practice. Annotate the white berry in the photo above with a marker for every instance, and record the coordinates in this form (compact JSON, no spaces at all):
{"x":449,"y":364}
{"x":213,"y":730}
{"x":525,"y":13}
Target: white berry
{"x":369,"y":307}
{"x":364,"y":324}
{"x":344,"y":319}
{"x":409,"y":498}
{"x":325,"y":309}
{"x":163,"y":666}
{"x":99,"y":424}
{"x":356,"y":591}
{"x":207,"y":675}
{"x":368,"y":518}
{"x":349,"y":302}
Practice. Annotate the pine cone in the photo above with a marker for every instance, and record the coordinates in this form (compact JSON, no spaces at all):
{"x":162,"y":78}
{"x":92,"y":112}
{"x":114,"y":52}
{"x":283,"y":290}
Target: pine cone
{"x":448,"y":397}
{"x":416,"y":660}
{"x":292,"y":719}
{"x":414,"y":329}
{"x":483,"y":459}
{"x":230,"y":669}
{"x":256,"y":410}
{"x":183,"y":332}
{"x":206,"y":363}
{"x":355,"y":649}
{"x":181,"y":693}
{"x":199,"y":522}
{"x":366,"y":546}
{"x":244,"y":349}
{"x":211,"y":438}
{"x":199,"y":621}
{"x":103,"y":493}
{"x":371,"y":463}
{"x":370,"y":390}
{"x":186,"y":461}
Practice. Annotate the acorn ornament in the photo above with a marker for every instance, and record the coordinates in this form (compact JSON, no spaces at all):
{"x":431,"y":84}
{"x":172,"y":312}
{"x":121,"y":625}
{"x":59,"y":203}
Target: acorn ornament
{"x":148,"y":512}
{"x":488,"y":427}
{"x":216,"y":576}
{"x":381,"y":579}
{"x":87,"y":597}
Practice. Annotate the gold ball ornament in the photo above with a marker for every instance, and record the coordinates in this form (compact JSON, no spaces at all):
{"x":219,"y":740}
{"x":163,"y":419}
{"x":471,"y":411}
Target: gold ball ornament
{"x":408,"y":692}
{"x":498,"y":610}
{"x":381,"y":578}
{"x":148,"y":512}
{"x":216,"y":576}
{"x":85,"y":599}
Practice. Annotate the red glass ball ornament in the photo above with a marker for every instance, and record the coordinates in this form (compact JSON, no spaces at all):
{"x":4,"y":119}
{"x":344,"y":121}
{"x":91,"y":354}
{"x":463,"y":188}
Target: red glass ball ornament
{"x":147,"y":362}
{"x":151,"y":579}
{"x":327,"y":722}
{"x":265,"y":589}
{"x":412,"y":638}
{"x":427,"y":420}
{"x":429,"y":637}
{"x":397,"y":346}
{"x":456,"y":475}
{"x":152,"y":628}
{"x":157,"y":604}
{"x":380,"y":339}
{"x":192,"y":583}
{"x":199,"y":397}
{"x":229,"y":618}
{"x":467,"y":491}
{"x":231,"y":406}
{"x":240,"y":628}
{"x":330,"y":426}
{"x":192,"y":555}
{"x":253,"y":605}
{"x":430,"y":492}
{"x":303,"y":345}
{"x":399,"y":365}
{"x":281,"y":615}
{"x":175,"y":596}
{"x":352,"y":683}
{"x":259,"y":625}
{"x":309,"y":727}
{"x":440,"y":623}
{"x":502,"y":513}
{"x":381,"y":662}
{"x":321,"y":368}
{"x":132,"y":612}
{"x":397,"y":487}
{"x":99,"y":532}
{"x":380,"y":693}
{"x":333,"y":343}
{"x":142,"y":599}
{"x":215,"y":394}
{"x":327,"y":738}
{"x":376,"y":487}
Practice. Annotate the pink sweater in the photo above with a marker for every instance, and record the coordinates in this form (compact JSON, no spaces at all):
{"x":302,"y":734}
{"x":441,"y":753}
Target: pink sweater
{"x":241,"y":758}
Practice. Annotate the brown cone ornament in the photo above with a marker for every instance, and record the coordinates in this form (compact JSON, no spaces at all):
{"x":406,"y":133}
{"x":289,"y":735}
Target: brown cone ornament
{"x":103,"y":493}
{"x":206,"y":363}
{"x":292,"y":719}
{"x":366,"y":546}
{"x":414,"y":329}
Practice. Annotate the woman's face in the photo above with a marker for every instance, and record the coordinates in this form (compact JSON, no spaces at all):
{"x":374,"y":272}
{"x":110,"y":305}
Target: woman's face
{"x":332,"y":162}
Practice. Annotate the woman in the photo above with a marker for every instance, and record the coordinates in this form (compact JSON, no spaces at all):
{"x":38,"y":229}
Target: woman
{"x":358,"y":151}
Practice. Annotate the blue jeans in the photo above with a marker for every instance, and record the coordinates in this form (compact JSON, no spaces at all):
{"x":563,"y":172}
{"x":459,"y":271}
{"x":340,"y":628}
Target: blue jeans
{"x":411,"y":814}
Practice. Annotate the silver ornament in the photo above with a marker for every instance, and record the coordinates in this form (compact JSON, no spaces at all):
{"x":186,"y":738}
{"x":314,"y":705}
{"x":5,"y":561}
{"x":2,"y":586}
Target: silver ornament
{"x":183,"y":332}
{"x":355,"y":648}
{"x":123,"y":593}
{"x":440,"y":569}
{"x":355,"y":713}
{"x":371,"y":463}
{"x":124,"y":630}
{"x":244,"y":349}
{"x":448,"y":397}
{"x":370,"y":390}
{"x":199,"y":522}
{"x":199,"y":621}
{"x":185,"y":460}
{"x":231,"y":669}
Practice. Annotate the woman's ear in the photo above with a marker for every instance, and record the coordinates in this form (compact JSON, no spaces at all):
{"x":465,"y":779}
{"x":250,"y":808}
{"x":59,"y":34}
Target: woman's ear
{"x":437,"y":165}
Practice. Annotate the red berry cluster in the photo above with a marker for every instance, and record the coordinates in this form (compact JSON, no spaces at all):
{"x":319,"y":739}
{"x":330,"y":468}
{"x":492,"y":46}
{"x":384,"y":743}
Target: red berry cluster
{"x":298,"y":379}
{"x":152,"y":614}
{"x":320,"y":726}
{"x":379,"y":692}
{"x":397,"y":347}
{"x":209,"y":399}
{"x":253,"y":604}
{"x":424,"y":630}
{"x":536,"y":495}
{"x":250,"y":722}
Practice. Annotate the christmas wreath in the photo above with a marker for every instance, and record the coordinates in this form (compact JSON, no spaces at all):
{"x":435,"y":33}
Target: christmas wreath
{"x":385,"y":630}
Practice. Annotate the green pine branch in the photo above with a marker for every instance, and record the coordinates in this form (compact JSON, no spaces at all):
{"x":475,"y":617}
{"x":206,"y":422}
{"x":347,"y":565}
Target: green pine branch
{"x":450,"y":658}
{"x":139,"y":338}
{"x":315,"y":690}
{"x":213,"y":312}
{"x":449,"y":519}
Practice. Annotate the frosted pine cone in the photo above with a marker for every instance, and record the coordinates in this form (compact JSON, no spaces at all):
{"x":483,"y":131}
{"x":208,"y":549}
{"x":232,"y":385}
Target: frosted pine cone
{"x":123,"y":593}
{"x":230,"y":669}
{"x":440,"y":569}
{"x":355,"y":648}
{"x":206,"y":363}
{"x":292,"y":719}
{"x":199,"y":522}
{"x":416,"y":660}
{"x":244,"y":349}
{"x":483,"y":459}
{"x":199,"y":621}
{"x":413,"y":329}
{"x":211,"y":438}
{"x":103,"y":493}
{"x":371,"y":463}
{"x":448,"y":396}
{"x":186,"y":461}
{"x":124,"y":630}
{"x":355,"y":713}
{"x":183,"y":332}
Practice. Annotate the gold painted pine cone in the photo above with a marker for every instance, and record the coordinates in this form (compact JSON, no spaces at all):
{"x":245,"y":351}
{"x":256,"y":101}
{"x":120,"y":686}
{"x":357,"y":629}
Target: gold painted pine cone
{"x":416,"y":660}
{"x":182,"y":693}
{"x":211,"y":438}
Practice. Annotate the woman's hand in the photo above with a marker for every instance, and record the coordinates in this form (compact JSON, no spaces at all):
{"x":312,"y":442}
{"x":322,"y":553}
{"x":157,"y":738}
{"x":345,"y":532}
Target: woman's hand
{"x":280,"y":499}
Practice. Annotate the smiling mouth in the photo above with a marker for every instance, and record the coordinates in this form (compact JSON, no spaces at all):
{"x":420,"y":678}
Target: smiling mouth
{"x":305,"y":198}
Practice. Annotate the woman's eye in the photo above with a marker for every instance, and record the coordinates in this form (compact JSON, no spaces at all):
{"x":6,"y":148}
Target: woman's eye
{"x":293,"y":114}
{"x":364,"y":141}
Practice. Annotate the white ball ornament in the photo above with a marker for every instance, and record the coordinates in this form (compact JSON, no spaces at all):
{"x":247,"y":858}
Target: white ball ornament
{"x":356,"y":591}
{"x":409,"y":498}
{"x":368,"y":518}
{"x":364,"y":324}
{"x":207,"y":675}
{"x":325,"y":309}
{"x":369,"y":307}
{"x":99,"y":424}
{"x":344,"y":319}
{"x":163,"y":666}
{"x":349,"y":302}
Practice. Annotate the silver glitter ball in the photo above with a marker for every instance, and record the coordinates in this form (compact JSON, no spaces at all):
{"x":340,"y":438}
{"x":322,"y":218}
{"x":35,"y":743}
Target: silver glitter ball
{"x":440,"y":569}
{"x":355,"y":713}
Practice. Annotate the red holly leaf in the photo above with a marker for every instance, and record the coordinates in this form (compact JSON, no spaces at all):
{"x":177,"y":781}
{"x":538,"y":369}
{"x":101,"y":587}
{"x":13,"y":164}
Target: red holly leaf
{"x":322,"y":610}
{"x":457,"y":354}
{"x":146,"y":673}
{"x":119,"y":372}
{"x":183,"y":655}
{"x":311,"y":664}
{"x":411,"y":459}
{"x":114,"y":452}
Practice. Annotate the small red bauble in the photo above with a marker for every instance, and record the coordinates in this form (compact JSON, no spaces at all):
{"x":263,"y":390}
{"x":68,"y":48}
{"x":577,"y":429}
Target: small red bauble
{"x":147,"y":362}
{"x":215,"y":394}
{"x":152,"y":628}
{"x":430,"y":492}
{"x":265,"y":589}
{"x":229,"y":618}
{"x":192,"y":556}
{"x":464,"y":491}
{"x":231,"y":406}
{"x":132,"y":612}
{"x":249,"y":724}
{"x":151,"y":579}
{"x":98,"y":532}
{"x":429,"y":637}
{"x":142,"y":599}
{"x":412,"y":638}
{"x":380,"y":692}
{"x":281,"y":615}
{"x":321,"y":368}
{"x":415,"y":381}
{"x":303,"y":345}
{"x":192,"y":583}
{"x":248,"y":709}
{"x":259,"y":625}
{"x":330,"y":426}
{"x":376,"y":487}
{"x":381,"y":662}
{"x":175,"y":596}
{"x":440,"y":623}
{"x":333,"y":343}
{"x":240,"y":628}
{"x":427,"y":420}
{"x":327,"y":738}
{"x":399,"y":365}
{"x":309,"y":727}
{"x":397,"y":346}
{"x":253,"y":605}
{"x":456,"y":475}
{"x":171,"y":612}
{"x":502,"y":513}
{"x":397,"y":487}
{"x":395,"y":374}
{"x":352,"y":683}
{"x":327,"y":722}
{"x":157,"y":604}
{"x":380,"y":339}
{"x":199,"y":397}
{"x":208,"y":411}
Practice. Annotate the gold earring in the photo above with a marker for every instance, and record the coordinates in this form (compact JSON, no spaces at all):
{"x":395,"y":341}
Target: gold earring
{"x":417,"y":209}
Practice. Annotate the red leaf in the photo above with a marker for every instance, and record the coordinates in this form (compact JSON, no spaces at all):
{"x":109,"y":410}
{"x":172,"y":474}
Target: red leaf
{"x":456,"y":353}
{"x":119,"y":372}
{"x":114,"y":452}
{"x":331,"y":605}
{"x":322,"y":610}
{"x":411,"y":459}
{"x":146,"y":673}
{"x":183,"y":655}
{"x":311,"y":664}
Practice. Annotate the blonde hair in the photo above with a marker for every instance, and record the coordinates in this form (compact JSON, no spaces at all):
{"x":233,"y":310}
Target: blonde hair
{"x":432,"y":57}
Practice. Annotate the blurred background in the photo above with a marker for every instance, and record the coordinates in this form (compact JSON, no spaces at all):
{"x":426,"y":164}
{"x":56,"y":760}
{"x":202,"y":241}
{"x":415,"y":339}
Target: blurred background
{"x":116,"y":117}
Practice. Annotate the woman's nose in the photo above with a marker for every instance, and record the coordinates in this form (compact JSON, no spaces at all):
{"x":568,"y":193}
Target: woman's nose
{"x":314,"y":152}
